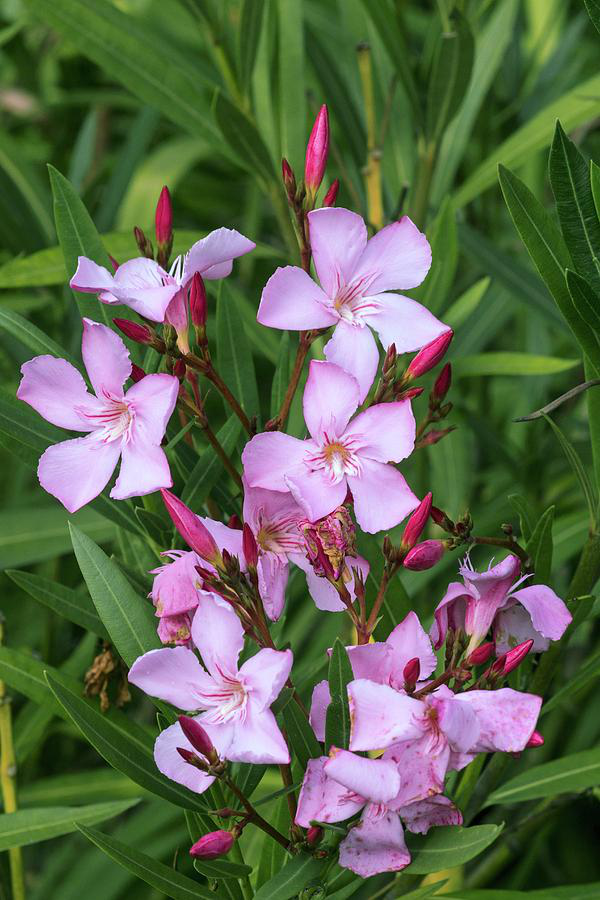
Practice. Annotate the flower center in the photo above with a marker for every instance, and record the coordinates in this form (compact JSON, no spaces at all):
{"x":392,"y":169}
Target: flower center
{"x":226,"y":700}
{"x":279,"y":536}
{"x":350,"y":302}
{"x":113,"y":421}
{"x":337,"y":458}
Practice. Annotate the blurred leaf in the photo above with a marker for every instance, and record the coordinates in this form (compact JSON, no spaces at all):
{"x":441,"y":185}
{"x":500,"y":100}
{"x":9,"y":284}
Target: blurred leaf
{"x":281,"y":378}
{"x":467,"y":303}
{"x":578,"y":468}
{"x":526,"y":518}
{"x":244,"y":140}
{"x":593,"y":8}
{"x":31,"y":336}
{"x":249,"y":36}
{"x":234,"y":357}
{"x":586,"y":673}
{"x":94,"y":785}
{"x":444,"y":252}
{"x":221,"y":868}
{"x":33,"y":212}
{"x":292,"y":878}
{"x":554,"y":404}
{"x":570,"y":774}
{"x":30,"y":826}
{"x":540,"y":547}
{"x":451,"y":71}
{"x":290,"y":84}
{"x":32,"y":535}
{"x":72,"y":605}
{"x":337,"y":725}
{"x":209,"y":468}
{"x":385,"y":22}
{"x":448,"y":847}
{"x":511,"y":364}
{"x":272,"y":855}
{"x":300,"y":734}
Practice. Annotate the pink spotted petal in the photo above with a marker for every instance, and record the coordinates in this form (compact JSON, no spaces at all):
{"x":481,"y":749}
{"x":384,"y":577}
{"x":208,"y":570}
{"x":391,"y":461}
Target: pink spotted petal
{"x":372,"y":661}
{"x":513,"y":626}
{"x":458,"y":722}
{"x":421,"y":816}
{"x":211,"y":256}
{"x":291,"y":300}
{"x":152,"y":401}
{"x":375,"y":481}
{"x":338,"y":238}
{"x":258,"y":739}
{"x":549,"y":614}
{"x":375,"y":845}
{"x":331,"y":396}
{"x":386,"y":432}
{"x":268,"y":507}
{"x":354,"y":350}
{"x":170,"y":763}
{"x":422,"y":766}
{"x":399,"y":256}
{"x":76,"y":471}
{"x":381,"y":716}
{"x":409,"y":640}
{"x":265,"y":674}
{"x":90,"y":278}
{"x":377,"y":780}
{"x":270,"y":456}
{"x":321,"y":698}
{"x":144,"y":469}
{"x":506,"y":718}
{"x":171,"y":674}
{"x":322,"y":799}
{"x":105,"y":357}
{"x":55,"y":389}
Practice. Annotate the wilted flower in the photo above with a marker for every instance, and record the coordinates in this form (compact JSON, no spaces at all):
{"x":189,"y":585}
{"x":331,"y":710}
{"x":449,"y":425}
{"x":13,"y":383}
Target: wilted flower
{"x":329,"y":541}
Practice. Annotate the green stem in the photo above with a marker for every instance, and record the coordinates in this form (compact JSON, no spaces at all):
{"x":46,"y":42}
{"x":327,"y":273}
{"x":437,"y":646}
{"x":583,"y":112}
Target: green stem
{"x":236,"y":850}
{"x":8,"y":767}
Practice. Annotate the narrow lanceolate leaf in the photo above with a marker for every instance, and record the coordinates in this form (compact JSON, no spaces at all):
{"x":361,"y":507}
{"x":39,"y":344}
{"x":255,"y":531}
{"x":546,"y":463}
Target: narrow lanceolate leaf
{"x":447,"y":847}
{"x":525,"y":513}
{"x":337,"y":726}
{"x":165,"y":879}
{"x":128,"y":753}
{"x":209,"y":467}
{"x":291,"y":81}
{"x":586,"y":674}
{"x":31,"y":336}
{"x":511,"y":364}
{"x":233,"y":353}
{"x":221,"y":868}
{"x":540,"y":547}
{"x":301,"y":737}
{"x":450,"y":76}
{"x":585,"y":301}
{"x":292,"y":878}
{"x":570,"y":774}
{"x":593,"y":8}
{"x":579,"y":469}
{"x":244,"y":140}
{"x":281,"y":378}
{"x":128,"y":618}
{"x":72,"y":605}
{"x":30,"y":826}
{"x":575,"y":206}
{"x":249,"y":36}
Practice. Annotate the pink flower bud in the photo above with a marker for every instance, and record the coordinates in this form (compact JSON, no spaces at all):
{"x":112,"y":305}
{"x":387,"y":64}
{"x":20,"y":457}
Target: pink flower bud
{"x":331,"y":195}
{"x":137,"y":373}
{"x":163,"y":218}
{"x":289,"y":179}
{"x":389,"y":361}
{"x":314,"y":835}
{"x":424,"y":556}
{"x":249,"y":546}
{"x":141,"y":334}
{"x":508,"y":662}
{"x":430,"y":355}
{"x":434,"y":436}
{"x":410,"y":394}
{"x":234,"y":522}
{"x":317,"y":152}
{"x":480,"y":655}
{"x":191,"y":529}
{"x":416,"y":523}
{"x":198,"y":301}
{"x":213,"y":845}
{"x":411,"y":672}
{"x":145,"y":245}
{"x":113,"y":262}
{"x":536,"y":740}
{"x":197,"y":736}
{"x":442,"y":384}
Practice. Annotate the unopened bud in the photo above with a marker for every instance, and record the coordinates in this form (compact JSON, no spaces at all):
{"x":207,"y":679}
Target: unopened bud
{"x":416,"y":523}
{"x":332,"y":192}
{"x":440,"y":518}
{"x":424,"y":556}
{"x":179,"y":369}
{"x":480,"y":655}
{"x":198,"y":737}
{"x":213,"y":845}
{"x":314,"y":835}
{"x":191,"y":529}
{"x":317,"y":151}
{"x":249,"y":547}
{"x":289,"y":179}
{"x":113,"y":262}
{"x":389,"y":363}
{"x":143,"y":243}
{"x":141,"y":334}
{"x":190,"y":757}
{"x":536,"y":740}
{"x":430,"y":355}
{"x":137,"y":373}
{"x":411,"y":673}
{"x":434,"y":436}
{"x":442,"y":384}
{"x":234,"y":521}
{"x":198,"y":301}
{"x":508,"y":662}
{"x":163,"y":219}
{"x":410,"y":394}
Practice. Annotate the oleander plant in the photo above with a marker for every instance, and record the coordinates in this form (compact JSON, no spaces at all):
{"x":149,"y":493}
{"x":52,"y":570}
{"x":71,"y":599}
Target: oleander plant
{"x":300,"y":424}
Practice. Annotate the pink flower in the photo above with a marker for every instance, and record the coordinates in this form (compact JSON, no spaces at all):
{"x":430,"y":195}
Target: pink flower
{"x":356,"y":278}
{"x":340,"y":455}
{"x":490,"y":599}
{"x":175,"y":596}
{"x":128,"y":426}
{"x":148,"y":289}
{"x":236,"y":702}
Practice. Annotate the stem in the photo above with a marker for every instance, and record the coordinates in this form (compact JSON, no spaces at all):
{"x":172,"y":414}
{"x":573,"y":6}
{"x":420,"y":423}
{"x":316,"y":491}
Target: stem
{"x":444,"y":678}
{"x":372,"y":170}
{"x":385,"y":580}
{"x":507,"y":543}
{"x":254,"y":816}
{"x":306,"y":339}
{"x":8,"y":769}
{"x":286,"y":776}
{"x":200,"y":416}
{"x":206,"y":367}
{"x":236,"y":850}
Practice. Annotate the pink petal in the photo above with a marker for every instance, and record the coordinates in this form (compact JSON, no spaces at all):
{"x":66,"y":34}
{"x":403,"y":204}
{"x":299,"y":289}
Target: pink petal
{"x":330,"y":397}
{"x":506,"y":718}
{"x":54,"y":388}
{"x":449,"y":613}
{"x":169,"y":762}
{"x":321,"y":698}
{"x":375,"y":481}
{"x":458,"y":723}
{"x":272,"y":582}
{"x":371,"y":661}
{"x":381,"y":716}
{"x":409,"y":640}
{"x":399,"y":256}
{"x":217,"y":248}
{"x":420,"y":817}
{"x":377,"y":780}
{"x":322,"y":592}
{"x":375,"y":845}
{"x":174,"y":588}
{"x":354,"y":349}
{"x":314,"y":491}
{"x":549,"y":614}
{"x":105,"y":357}
{"x":90,"y":278}
{"x":495,"y":581}
{"x":144,"y":286}
{"x":386,"y":432}
{"x":265,"y":675}
{"x":322,"y":799}
{"x":291,"y":300}
{"x":422,"y":765}
{"x":270,"y":507}
{"x":269,"y":456}
{"x":171,"y":674}
{"x":175,"y":629}
{"x":338,"y":238}
{"x":152,"y":401}
{"x":513,"y":626}
{"x":258,"y":739}
{"x":76,"y":471}
{"x":218,"y":634}
{"x":144,"y":469}
{"x":226,"y":538}
{"x":403,"y":322}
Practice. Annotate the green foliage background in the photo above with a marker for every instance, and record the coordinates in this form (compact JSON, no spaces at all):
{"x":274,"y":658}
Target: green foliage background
{"x":206,"y":97}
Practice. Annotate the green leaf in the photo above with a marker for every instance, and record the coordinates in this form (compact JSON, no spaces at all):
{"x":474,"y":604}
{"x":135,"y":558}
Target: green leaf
{"x":31,"y":336}
{"x":291,"y":81}
{"x":234,"y":357}
{"x":292,"y":878}
{"x":128,"y":618}
{"x":209,"y":467}
{"x":244,"y":140}
{"x":78,"y":788}
{"x":249,"y":36}
{"x":501,"y":363}
{"x":579,"y":469}
{"x":30,"y":826}
{"x":571,"y":774}
{"x":337,"y":726}
{"x":540,"y":547}
{"x":448,"y":847}
{"x":444,"y":250}
{"x":586,"y":673}
{"x":449,"y":79}
{"x":72,"y":605}
{"x":586,"y":302}
{"x":300,"y":734}
{"x":554,"y":404}
{"x":526,"y":516}
{"x":593,"y":8}
{"x":25,"y":674}
{"x":221,"y":868}
{"x":123,"y":750}
{"x":33,"y":535}
{"x":460,"y":311}
{"x":281,"y":378}
{"x":165,"y":879}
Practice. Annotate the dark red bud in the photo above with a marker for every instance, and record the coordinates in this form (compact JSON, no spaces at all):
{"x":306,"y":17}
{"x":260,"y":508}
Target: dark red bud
{"x":179,"y":369}
{"x":536,"y":740}
{"x":508,"y":662}
{"x":141,"y":334}
{"x":417,"y":522}
{"x":289,"y":179}
{"x":411,"y":672}
{"x":434,"y":436}
{"x":442,"y":384}
{"x":424,"y":556}
{"x":410,"y":394}
{"x":198,"y":301}
{"x":191,"y":529}
{"x":314,"y":835}
{"x":235,"y":522}
{"x":331,"y":195}
{"x":197,"y":736}
{"x":249,"y":547}
{"x":163,"y":218}
{"x":145,"y":246}
{"x":390,"y":359}
{"x":137,"y":373}
{"x":430,"y":355}
{"x":480,"y":655}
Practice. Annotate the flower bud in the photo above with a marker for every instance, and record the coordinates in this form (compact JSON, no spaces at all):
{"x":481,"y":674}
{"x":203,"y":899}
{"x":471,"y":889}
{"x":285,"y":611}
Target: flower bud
{"x":480,"y":655}
{"x":198,"y":301}
{"x":389,"y":363}
{"x":442,"y":384}
{"x":137,"y":373}
{"x":191,"y":529}
{"x":179,"y":369}
{"x":113,"y":262}
{"x":424,"y":556}
{"x":249,"y":547}
{"x":198,"y":737}
{"x":317,"y":151}
{"x":430,"y":355}
{"x":410,"y":394}
{"x":163,"y":219}
{"x":289,"y":179}
{"x":145,"y":246}
{"x":213,"y":845}
{"x":332,"y":192}
{"x":314,"y":835}
{"x":417,"y":522}
{"x":508,"y":662}
{"x":536,"y":740}
{"x":434,"y":436}
{"x":141,"y":334}
{"x":190,"y":757}
{"x":440,"y":518}
{"x":234,"y":522}
{"x":411,"y":673}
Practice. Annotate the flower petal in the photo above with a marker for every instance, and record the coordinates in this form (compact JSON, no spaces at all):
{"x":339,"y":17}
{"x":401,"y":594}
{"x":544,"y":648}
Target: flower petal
{"x":354,"y":350}
{"x":375,"y":481}
{"x":292,"y":300}
{"x":322,"y":799}
{"x":458,"y":723}
{"x":258,"y":739}
{"x":265,"y":675}
{"x":403,"y":322}
{"x":218,"y":634}
{"x":409,"y":640}
{"x":152,"y":401}
{"x":226,"y":538}
{"x":219,"y":247}
{"x":422,"y":766}
{"x":421,"y":816}
{"x":90,"y":278}
{"x":272,"y":508}
{"x":330,"y":397}
{"x":144,"y":469}
{"x":338,"y":238}
{"x":321,"y":698}
{"x":381,"y":716}
{"x":174,"y":588}
{"x":105,"y":357}
{"x":272,"y":581}
{"x":386,"y":432}
{"x":399,"y":256}
{"x":375,"y":845}
{"x":171,"y":674}
{"x":269,"y":456}
{"x":314,"y":491}
{"x":170,"y":763}
{"x":76,"y":471}
{"x":322,"y":592}
{"x":513,"y":626}
{"x":549,"y":614}
{"x":377,"y":780}
{"x":450,"y":612}
{"x":145,"y":287}
{"x":54,"y":388}
{"x":506,"y":718}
